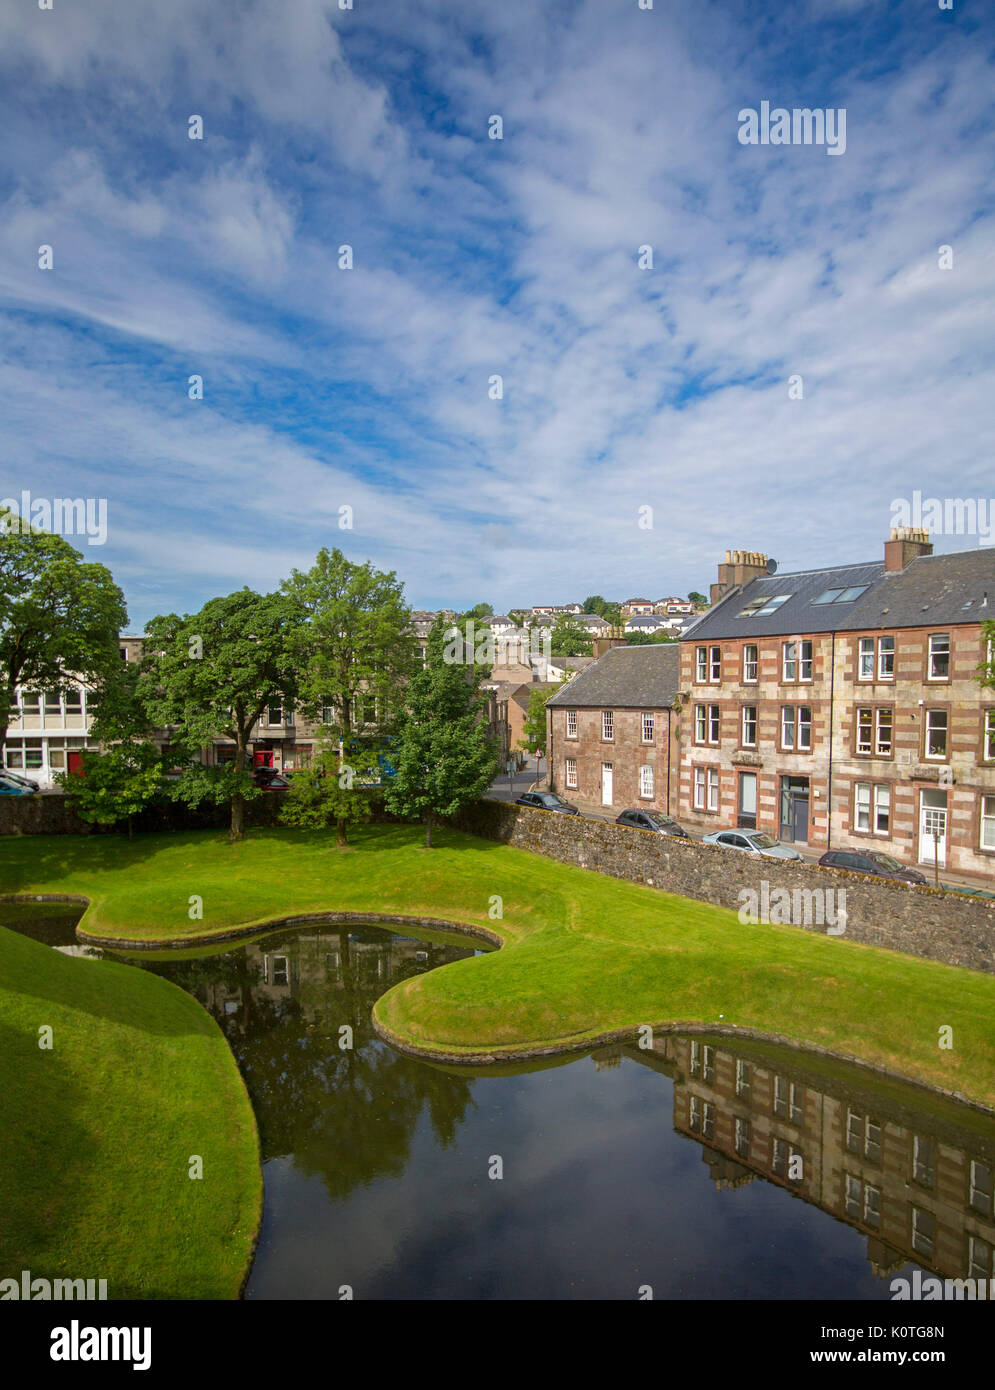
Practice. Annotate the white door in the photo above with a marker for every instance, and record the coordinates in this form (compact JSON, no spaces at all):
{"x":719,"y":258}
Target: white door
{"x":933,"y":828}
{"x":606,"y":784}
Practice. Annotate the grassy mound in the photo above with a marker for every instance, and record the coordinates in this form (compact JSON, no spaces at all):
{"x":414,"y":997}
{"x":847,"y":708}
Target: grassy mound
{"x":100,"y":1130}
{"x":584,"y":954}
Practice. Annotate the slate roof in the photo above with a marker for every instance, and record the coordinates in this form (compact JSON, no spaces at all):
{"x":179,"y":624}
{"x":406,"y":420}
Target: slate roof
{"x":931,"y":590}
{"x":626,"y":678}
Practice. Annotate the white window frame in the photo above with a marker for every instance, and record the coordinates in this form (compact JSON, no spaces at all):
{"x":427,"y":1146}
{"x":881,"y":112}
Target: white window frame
{"x":975,"y":1189}
{"x":987,"y":819}
{"x":698,"y":789}
{"x":787,"y":724}
{"x":571,"y":723}
{"x":988,"y":737}
{"x":933,"y":654}
{"x":945,"y":715}
{"x":608,"y":725}
{"x":570,"y":773}
{"x":701,"y":665}
{"x":883,"y":653}
{"x":646,"y":782}
{"x":862,"y":794}
{"x":712,"y":788}
{"x":804,"y":729}
{"x":881,"y":751}
{"x":647,"y":725}
{"x":751,"y":663}
{"x":715,"y":665}
{"x":789,"y":662}
{"x":882,"y":808}
{"x":865,"y":659}
{"x":749,"y":742}
{"x":743,"y":1078}
{"x":805,"y":662}
{"x":864,"y":748}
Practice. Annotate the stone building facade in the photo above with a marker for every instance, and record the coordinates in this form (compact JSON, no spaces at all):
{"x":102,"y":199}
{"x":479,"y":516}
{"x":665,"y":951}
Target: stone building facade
{"x":842,"y":708}
{"x":611,"y":743}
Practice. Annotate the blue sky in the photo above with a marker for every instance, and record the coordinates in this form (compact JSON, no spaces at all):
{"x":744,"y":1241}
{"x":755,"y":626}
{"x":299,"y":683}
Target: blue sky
{"x":368,"y":388}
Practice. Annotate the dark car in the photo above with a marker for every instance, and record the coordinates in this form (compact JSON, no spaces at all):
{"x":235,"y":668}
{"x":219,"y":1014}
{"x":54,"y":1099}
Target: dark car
{"x":652,"y":820}
{"x":547,"y":801}
{"x":871,"y":861}
{"x":269,"y":779}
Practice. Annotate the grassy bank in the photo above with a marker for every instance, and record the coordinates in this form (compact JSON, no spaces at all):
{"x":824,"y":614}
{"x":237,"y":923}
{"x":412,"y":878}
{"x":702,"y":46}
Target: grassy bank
{"x":584,"y":954}
{"x":99,"y":1130}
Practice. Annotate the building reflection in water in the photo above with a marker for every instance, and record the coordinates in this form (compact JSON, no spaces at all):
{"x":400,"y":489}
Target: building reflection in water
{"x":909,"y":1170}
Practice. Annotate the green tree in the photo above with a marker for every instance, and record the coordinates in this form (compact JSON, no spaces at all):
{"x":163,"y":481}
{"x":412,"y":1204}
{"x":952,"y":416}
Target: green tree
{"x":59,"y":616}
{"x":115,"y":785}
{"x":447,"y":758}
{"x":612,"y":613}
{"x":534,"y":724}
{"x":699,"y":600}
{"x":986,"y":669}
{"x":211,"y":674}
{"x":595,"y":604}
{"x":568,"y":639}
{"x":480,"y":610}
{"x":647,"y":639}
{"x":353,"y":647}
{"x":334,"y":790}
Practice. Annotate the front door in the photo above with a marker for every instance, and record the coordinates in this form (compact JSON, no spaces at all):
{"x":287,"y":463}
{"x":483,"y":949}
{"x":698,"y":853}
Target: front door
{"x":933,"y":828}
{"x":794,"y":809}
{"x":607,"y":773}
{"x":747,"y":817}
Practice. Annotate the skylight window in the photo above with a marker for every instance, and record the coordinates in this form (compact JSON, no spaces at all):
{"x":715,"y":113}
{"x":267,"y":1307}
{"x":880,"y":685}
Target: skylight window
{"x":841,"y":595}
{"x":762,"y":607}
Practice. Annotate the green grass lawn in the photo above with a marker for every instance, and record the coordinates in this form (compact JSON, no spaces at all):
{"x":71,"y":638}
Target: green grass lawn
{"x":98,"y":1131}
{"x":584,"y":954}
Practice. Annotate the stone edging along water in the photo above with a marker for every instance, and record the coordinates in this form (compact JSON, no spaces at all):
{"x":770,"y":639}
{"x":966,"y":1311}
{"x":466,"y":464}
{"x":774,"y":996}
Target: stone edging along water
{"x":524,"y":1052}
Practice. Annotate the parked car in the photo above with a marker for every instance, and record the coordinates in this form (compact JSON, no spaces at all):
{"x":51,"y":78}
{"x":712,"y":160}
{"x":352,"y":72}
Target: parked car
{"x":12,"y":785}
{"x":871,"y":861}
{"x":751,"y":842}
{"x":269,"y":779}
{"x":547,"y":801}
{"x":652,"y":820}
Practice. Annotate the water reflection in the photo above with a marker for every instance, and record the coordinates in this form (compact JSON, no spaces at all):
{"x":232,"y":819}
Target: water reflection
{"x":671,"y":1167}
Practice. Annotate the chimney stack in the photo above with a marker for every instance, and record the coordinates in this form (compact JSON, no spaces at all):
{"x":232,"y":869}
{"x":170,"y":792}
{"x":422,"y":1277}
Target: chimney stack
{"x":740,"y":567}
{"x":904,"y":544}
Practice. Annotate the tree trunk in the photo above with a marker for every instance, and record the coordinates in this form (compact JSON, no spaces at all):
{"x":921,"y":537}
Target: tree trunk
{"x":428,"y":831}
{"x":340,"y":826}
{"x":131,"y":829}
{"x":237,"y":830}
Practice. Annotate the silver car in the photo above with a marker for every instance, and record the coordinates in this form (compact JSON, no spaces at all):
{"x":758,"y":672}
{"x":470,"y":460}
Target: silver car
{"x":753,"y":842}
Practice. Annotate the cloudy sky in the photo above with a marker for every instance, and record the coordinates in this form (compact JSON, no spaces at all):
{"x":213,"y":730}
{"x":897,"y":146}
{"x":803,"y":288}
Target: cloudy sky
{"x":623,"y":387}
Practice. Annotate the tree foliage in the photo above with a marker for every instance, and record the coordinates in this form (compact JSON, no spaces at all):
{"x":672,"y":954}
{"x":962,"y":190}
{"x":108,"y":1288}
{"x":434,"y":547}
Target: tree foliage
{"x":114,"y":785}
{"x":211,"y":674}
{"x":569,"y":639}
{"x":59,"y":616}
{"x":447,"y":758}
{"x":534,"y":724}
{"x":334,"y":790}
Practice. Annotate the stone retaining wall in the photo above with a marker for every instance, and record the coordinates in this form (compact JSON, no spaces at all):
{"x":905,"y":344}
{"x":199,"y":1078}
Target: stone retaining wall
{"x":919,"y":921}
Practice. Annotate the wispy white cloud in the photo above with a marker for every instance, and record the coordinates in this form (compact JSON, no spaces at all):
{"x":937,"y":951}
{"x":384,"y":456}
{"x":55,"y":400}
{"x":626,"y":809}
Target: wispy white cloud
{"x":369,"y":387}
